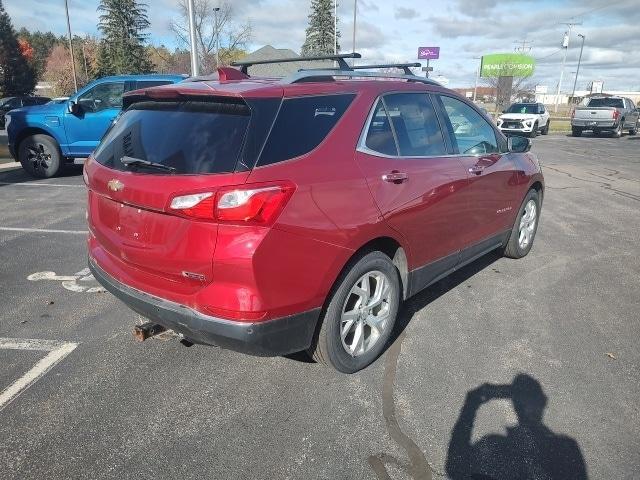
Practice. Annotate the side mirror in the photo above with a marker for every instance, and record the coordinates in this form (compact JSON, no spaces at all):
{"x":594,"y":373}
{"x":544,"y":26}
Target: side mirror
{"x":73,"y":107}
{"x":504,"y":111}
{"x":518,"y":144}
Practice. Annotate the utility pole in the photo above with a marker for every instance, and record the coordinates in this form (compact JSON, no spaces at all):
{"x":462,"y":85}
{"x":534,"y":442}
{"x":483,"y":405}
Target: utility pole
{"x":192,"y":39}
{"x":565,"y":45}
{"x":573,"y":94}
{"x":355,"y":9}
{"x":215,"y":20}
{"x":524,"y":48}
{"x":73,"y":60}
{"x":475,"y":87}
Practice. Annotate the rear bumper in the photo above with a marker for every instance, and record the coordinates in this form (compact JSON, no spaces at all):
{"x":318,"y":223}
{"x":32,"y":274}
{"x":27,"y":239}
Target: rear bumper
{"x":589,"y":124}
{"x":269,"y":338}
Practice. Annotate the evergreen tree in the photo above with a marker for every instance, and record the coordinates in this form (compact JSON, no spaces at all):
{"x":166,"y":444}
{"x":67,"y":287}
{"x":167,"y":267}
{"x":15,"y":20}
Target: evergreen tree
{"x":320,"y":32}
{"x":123,"y":24}
{"x":17,"y":77}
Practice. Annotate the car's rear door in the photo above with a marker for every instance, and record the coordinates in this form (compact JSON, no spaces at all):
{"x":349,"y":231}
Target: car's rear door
{"x":415,"y":183}
{"x":493,"y":178}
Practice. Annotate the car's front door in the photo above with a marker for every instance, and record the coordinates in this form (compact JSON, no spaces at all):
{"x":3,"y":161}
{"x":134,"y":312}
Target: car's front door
{"x":98,"y":107}
{"x":494,"y":179}
{"x":404,"y":157}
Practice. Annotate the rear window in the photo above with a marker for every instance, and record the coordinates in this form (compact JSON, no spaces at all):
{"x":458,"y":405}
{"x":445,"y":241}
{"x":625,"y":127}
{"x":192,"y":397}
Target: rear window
{"x":302,"y":124}
{"x":606,"y":102}
{"x":191,"y":137}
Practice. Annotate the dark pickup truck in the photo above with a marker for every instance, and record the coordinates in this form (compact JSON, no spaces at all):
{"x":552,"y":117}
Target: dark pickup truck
{"x":613,"y":114}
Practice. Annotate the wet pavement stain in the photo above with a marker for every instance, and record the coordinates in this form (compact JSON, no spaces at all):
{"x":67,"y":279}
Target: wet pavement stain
{"x":418,"y":468}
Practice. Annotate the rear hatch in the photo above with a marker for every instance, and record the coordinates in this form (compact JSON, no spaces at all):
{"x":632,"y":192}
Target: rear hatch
{"x":155,"y":152}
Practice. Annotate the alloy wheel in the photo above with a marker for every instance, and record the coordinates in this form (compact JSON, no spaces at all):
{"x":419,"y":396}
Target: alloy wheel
{"x":527,"y":226}
{"x":39,"y":156}
{"x":366,"y":313}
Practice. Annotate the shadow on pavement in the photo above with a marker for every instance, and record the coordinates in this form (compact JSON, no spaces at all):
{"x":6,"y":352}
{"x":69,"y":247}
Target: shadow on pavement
{"x":19,"y":175}
{"x":530,"y":450}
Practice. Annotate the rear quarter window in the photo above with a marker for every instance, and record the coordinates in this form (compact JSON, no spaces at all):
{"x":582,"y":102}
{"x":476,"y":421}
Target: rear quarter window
{"x":301,"y":125}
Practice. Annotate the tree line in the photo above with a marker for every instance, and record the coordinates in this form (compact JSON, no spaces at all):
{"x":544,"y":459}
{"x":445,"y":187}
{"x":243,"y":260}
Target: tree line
{"x":124,"y":46}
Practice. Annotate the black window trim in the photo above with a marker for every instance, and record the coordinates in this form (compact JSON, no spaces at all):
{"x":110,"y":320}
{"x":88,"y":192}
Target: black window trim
{"x":362,"y":141}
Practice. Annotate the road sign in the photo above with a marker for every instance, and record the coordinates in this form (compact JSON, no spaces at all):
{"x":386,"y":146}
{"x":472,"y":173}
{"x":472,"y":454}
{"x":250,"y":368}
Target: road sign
{"x":428,"y":53}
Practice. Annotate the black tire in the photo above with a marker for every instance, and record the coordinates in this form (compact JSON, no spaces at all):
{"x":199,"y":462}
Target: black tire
{"x":534,"y":131}
{"x":634,"y":131}
{"x":40,"y":156}
{"x":327,"y":347}
{"x":576,"y":132}
{"x":545,"y":130}
{"x":513,"y":248}
{"x":617,"y":133}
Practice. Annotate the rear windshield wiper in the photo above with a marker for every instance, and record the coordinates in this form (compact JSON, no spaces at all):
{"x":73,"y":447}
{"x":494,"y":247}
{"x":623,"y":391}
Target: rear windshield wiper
{"x":127,"y":161}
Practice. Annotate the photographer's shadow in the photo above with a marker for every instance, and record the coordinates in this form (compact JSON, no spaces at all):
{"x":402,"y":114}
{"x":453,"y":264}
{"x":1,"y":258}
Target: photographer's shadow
{"x":530,"y":450}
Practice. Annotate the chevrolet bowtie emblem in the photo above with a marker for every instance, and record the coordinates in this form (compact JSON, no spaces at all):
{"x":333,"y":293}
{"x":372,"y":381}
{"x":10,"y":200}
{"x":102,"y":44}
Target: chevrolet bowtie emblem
{"x":115,"y":185}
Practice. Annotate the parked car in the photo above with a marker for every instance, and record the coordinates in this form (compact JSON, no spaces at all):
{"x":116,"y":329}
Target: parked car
{"x":11,"y":103}
{"x":277,"y":216}
{"x":525,"y":119}
{"x":606,"y":113}
{"x":45,"y":137}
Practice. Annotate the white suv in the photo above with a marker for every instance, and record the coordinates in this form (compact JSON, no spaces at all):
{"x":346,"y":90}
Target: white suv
{"x":525,"y":118}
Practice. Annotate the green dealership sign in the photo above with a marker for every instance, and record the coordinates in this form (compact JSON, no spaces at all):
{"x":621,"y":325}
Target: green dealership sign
{"x":507,"y":65}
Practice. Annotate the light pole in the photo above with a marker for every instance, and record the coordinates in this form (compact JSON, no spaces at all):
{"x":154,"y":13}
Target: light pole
{"x":355,"y":9}
{"x":573,"y":94}
{"x":215,"y":20}
{"x":565,"y":45}
{"x":192,"y":39}
{"x":335,"y":27}
{"x":73,"y":60}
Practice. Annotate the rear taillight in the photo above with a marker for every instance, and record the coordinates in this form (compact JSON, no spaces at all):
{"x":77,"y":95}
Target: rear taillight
{"x":256,"y":204}
{"x":616,"y":114}
{"x":573,"y":113}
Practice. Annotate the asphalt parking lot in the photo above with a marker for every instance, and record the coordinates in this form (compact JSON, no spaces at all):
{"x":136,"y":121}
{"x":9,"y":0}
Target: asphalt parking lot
{"x":559,"y":330}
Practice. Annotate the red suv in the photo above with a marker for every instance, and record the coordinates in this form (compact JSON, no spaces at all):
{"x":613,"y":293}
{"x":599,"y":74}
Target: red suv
{"x":272,"y":216}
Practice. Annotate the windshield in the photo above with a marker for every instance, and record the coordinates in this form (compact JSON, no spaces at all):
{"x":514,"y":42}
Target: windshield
{"x":523,"y":108}
{"x":606,"y":102}
{"x":190,"y":137}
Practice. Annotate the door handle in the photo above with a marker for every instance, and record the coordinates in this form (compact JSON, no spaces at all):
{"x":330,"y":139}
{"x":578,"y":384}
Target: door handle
{"x":395,"y":177}
{"x":476,"y":169}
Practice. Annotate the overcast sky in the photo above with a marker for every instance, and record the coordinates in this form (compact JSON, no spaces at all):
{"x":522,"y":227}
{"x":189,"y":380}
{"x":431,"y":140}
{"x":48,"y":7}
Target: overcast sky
{"x":392,"y":30}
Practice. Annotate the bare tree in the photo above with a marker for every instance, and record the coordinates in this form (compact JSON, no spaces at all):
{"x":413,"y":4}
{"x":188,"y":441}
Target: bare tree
{"x":509,"y":84}
{"x":216,"y":31}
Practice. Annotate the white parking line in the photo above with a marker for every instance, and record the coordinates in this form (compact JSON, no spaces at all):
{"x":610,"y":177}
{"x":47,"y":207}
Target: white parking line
{"x":57,"y":351}
{"x":34,"y":184}
{"x":43,"y":230}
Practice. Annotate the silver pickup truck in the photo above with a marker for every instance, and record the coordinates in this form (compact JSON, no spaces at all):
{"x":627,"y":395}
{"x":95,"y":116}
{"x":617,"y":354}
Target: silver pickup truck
{"x":613,"y":114}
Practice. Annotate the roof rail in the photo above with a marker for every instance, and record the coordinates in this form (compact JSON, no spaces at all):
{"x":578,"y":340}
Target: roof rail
{"x":244,"y":65}
{"x":322,"y":75}
{"x":402,"y":66}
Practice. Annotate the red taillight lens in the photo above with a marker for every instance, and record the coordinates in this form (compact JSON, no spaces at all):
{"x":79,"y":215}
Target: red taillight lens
{"x":258,"y":204}
{"x":573,"y":113}
{"x":616,"y":114}
{"x":195,"y":205}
